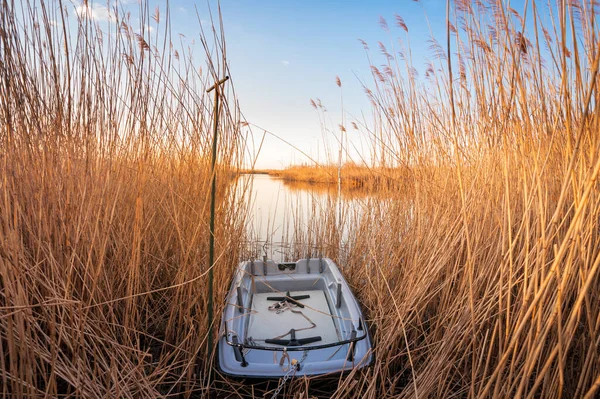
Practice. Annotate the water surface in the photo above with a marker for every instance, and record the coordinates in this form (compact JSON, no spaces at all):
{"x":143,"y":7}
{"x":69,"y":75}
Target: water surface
{"x":293,"y":219}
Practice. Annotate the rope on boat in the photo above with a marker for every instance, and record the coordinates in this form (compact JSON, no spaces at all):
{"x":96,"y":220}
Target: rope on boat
{"x":278,"y":308}
{"x":281,"y":307}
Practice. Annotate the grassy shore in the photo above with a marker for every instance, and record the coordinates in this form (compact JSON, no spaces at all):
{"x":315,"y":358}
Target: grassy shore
{"x":351,"y":175}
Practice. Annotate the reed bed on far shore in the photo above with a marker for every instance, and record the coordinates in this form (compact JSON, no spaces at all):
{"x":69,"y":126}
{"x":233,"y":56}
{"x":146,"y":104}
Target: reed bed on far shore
{"x":352,"y":175}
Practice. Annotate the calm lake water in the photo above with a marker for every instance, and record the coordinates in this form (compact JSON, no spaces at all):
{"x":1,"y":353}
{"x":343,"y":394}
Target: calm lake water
{"x":290,"y":220}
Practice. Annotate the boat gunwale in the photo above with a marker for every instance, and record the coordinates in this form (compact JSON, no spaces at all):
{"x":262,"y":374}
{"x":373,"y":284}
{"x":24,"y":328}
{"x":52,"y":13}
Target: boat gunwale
{"x":359,"y":348}
{"x":334,"y":373}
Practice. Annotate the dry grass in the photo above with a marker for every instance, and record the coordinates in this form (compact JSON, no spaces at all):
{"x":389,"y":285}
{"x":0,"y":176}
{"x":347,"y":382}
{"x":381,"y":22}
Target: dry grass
{"x":105,"y":190}
{"x":352,"y":175}
{"x":484,"y":282}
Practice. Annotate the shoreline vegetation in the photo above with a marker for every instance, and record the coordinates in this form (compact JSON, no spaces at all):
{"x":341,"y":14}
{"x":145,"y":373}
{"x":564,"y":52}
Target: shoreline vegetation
{"x":352,"y":176}
{"x":481,"y":281}
{"x":105,"y":177}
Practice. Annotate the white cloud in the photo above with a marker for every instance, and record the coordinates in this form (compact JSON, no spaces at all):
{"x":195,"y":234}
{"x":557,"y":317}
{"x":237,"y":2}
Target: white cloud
{"x":94,"y":11}
{"x":285,"y":63}
{"x":182,"y":9}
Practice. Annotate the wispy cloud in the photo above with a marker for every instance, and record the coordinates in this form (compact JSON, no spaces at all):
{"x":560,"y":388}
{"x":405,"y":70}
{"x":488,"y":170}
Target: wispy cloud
{"x":94,"y":11}
{"x":285,"y":63}
{"x":182,"y":9}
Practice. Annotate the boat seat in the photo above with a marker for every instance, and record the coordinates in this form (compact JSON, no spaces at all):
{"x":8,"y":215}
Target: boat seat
{"x":289,"y":298}
{"x":293,"y":341}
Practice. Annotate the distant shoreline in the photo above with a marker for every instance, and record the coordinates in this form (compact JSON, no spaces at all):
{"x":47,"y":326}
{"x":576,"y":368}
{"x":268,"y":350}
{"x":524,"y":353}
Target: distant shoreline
{"x":351,"y":175}
{"x":255,"y":172}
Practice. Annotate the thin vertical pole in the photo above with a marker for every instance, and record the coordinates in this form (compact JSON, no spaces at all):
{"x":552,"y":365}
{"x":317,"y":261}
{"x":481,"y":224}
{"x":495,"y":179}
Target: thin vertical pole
{"x":339,"y":197}
{"x":211,"y":245}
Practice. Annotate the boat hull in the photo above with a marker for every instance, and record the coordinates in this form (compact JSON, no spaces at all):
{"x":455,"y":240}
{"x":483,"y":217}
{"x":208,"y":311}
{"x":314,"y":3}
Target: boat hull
{"x":294,"y":315}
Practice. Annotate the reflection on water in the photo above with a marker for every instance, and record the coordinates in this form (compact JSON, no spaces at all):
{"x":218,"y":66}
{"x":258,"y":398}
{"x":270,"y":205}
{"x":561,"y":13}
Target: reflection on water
{"x":347,"y":192}
{"x":292,"y":220}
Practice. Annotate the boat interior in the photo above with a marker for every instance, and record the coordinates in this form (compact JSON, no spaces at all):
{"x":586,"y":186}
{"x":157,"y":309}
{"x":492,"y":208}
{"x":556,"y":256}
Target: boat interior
{"x":292,"y":306}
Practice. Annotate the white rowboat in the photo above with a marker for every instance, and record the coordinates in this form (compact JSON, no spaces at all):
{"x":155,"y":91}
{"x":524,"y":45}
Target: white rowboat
{"x":291,"y":315}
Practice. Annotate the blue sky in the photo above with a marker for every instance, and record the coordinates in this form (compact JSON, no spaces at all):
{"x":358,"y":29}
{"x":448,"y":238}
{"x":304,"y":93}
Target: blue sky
{"x":284,"y":53}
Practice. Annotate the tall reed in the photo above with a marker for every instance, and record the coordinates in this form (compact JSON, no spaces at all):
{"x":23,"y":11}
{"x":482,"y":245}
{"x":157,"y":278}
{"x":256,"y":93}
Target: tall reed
{"x":481,"y":280}
{"x":484,"y":282}
{"x":105,"y":190}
